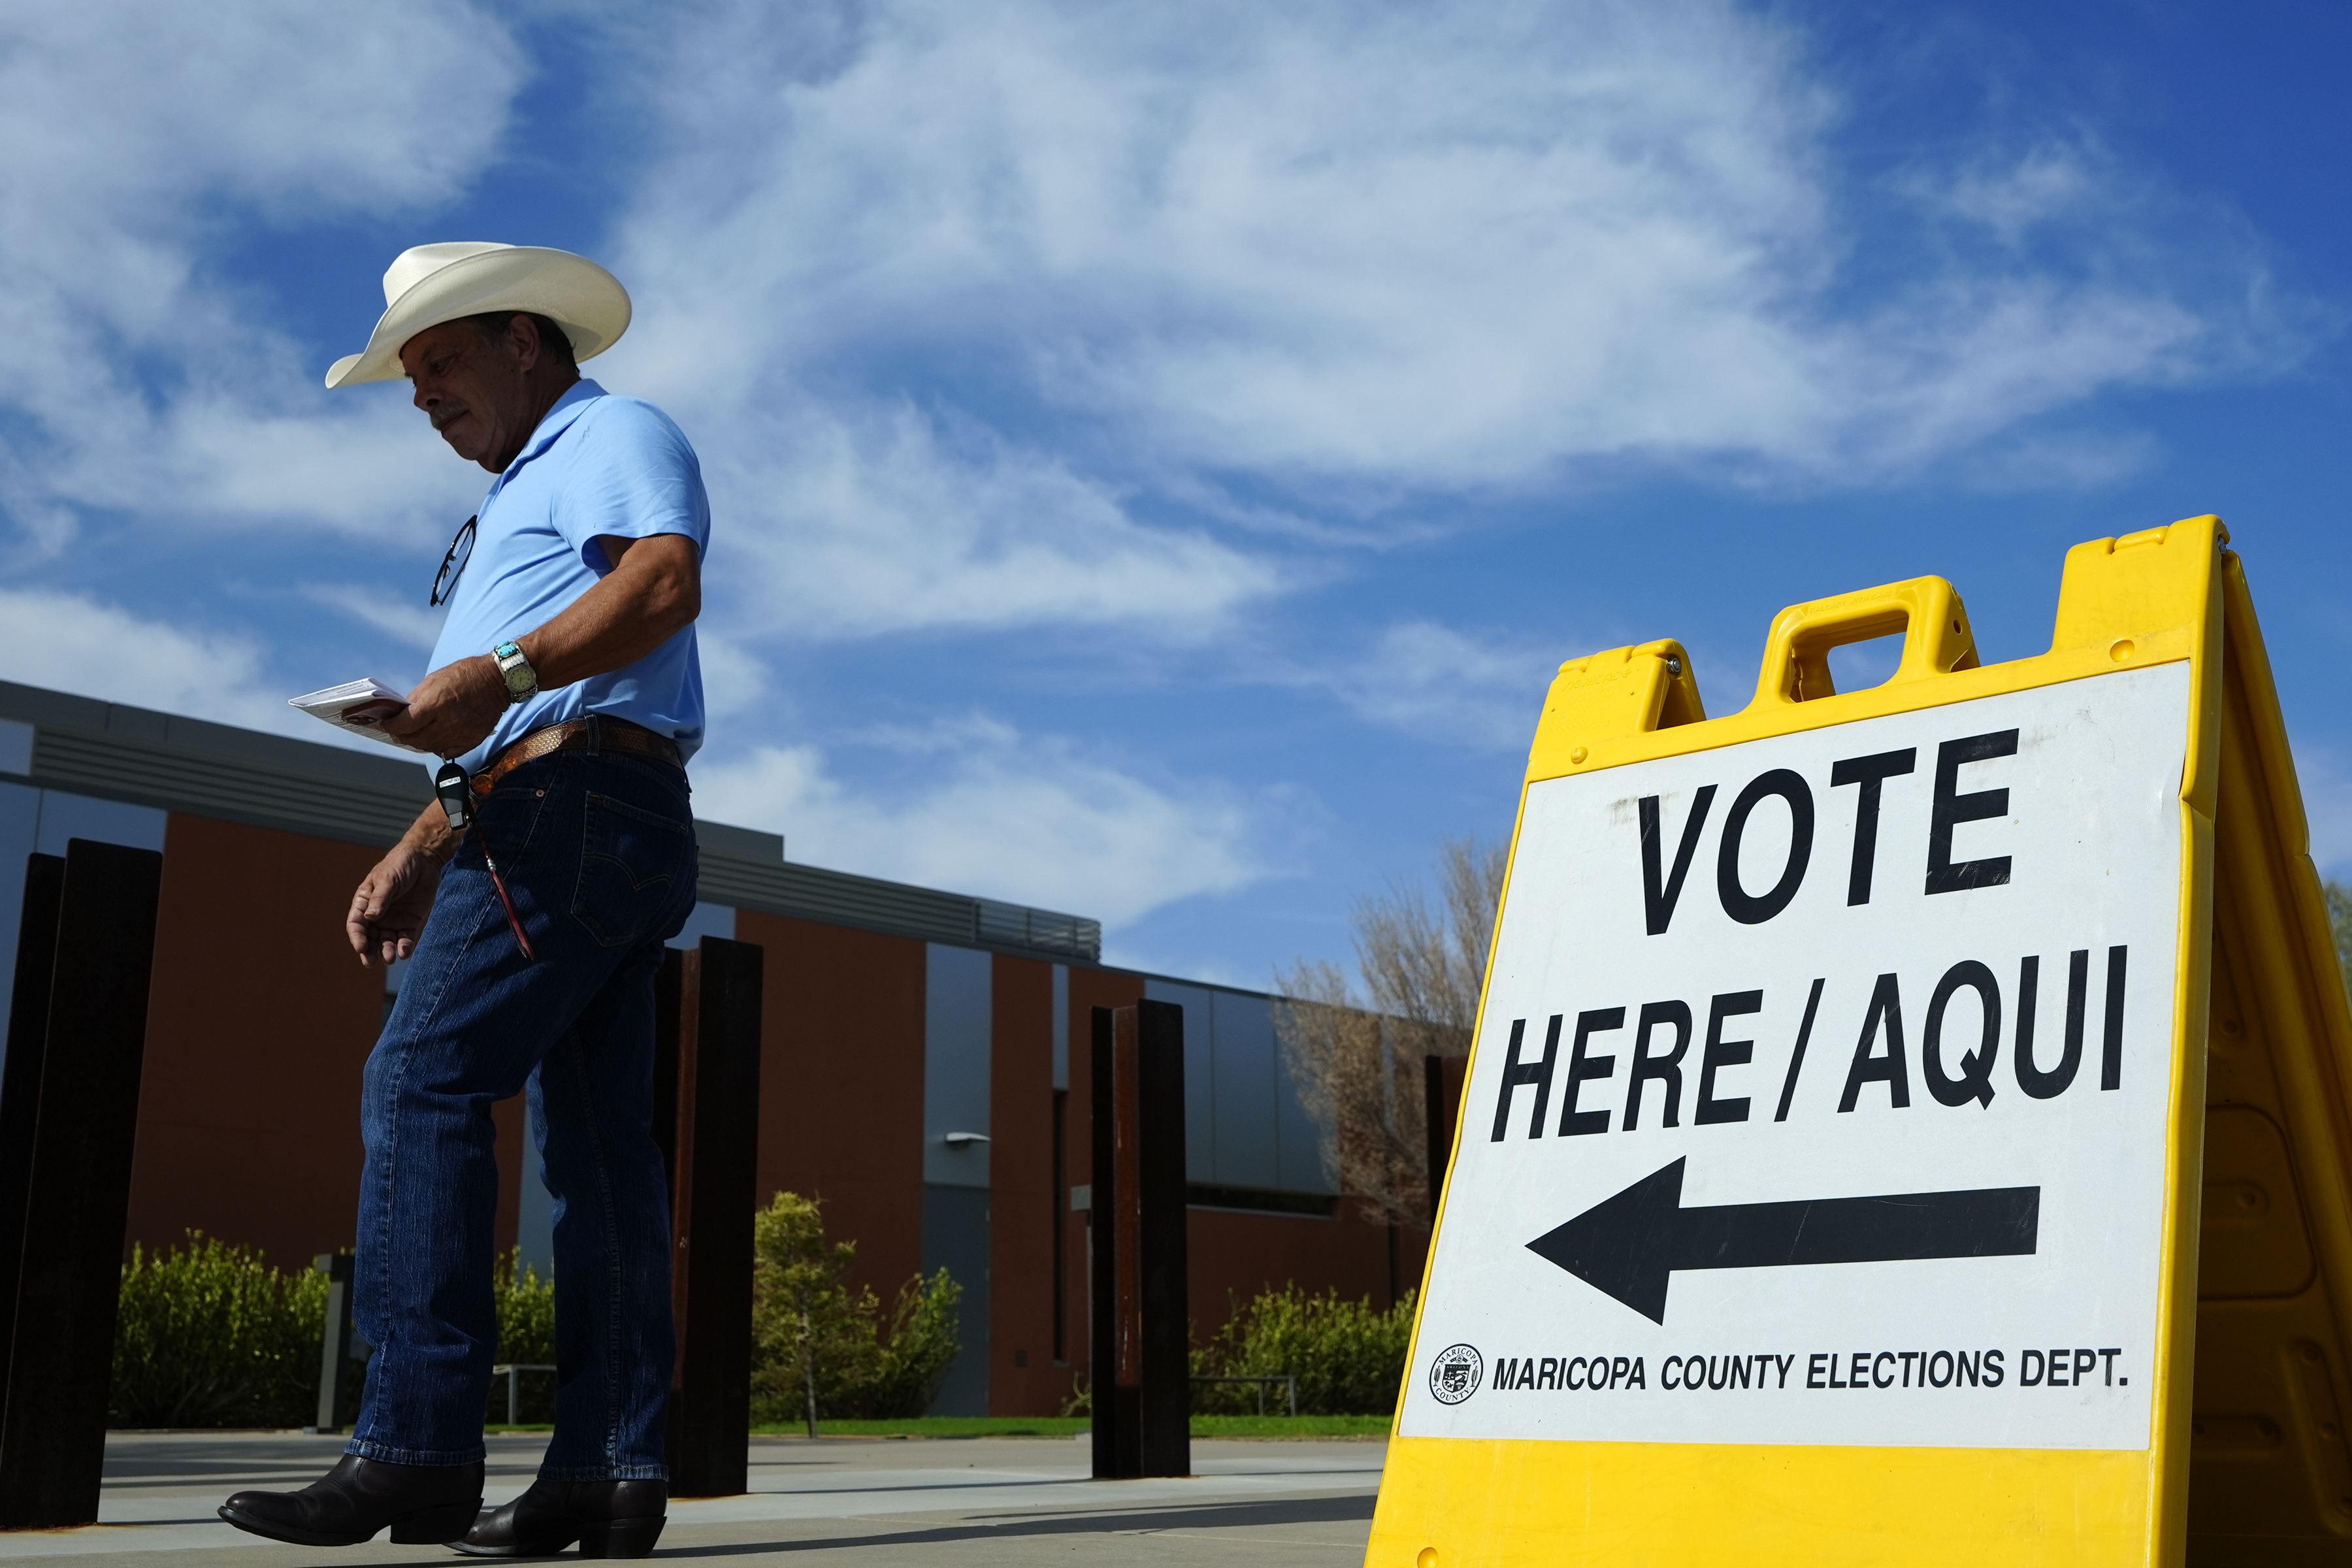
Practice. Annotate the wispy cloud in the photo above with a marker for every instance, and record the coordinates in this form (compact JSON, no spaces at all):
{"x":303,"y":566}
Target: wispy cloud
{"x":860,"y":521}
{"x":414,"y":625}
{"x":977,"y":805}
{"x":1436,"y":683}
{"x":1410,"y":248}
{"x":137,"y":376}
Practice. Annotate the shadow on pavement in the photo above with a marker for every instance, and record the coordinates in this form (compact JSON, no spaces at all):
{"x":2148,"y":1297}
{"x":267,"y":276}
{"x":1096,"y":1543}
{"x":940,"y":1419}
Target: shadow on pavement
{"x":1341,"y":1510}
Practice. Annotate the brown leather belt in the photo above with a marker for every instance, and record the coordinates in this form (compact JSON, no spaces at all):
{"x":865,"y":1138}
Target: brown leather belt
{"x":596,"y":732}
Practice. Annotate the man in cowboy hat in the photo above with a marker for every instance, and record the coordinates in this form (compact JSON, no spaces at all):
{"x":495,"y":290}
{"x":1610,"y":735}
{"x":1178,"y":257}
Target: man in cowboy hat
{"x":566,"y":682}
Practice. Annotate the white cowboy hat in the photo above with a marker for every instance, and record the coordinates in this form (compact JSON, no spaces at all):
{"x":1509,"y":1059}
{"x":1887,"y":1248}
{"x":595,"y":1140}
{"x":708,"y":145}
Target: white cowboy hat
{"x":435,"y":283}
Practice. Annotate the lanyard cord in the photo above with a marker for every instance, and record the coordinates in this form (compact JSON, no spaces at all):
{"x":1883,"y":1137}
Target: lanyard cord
{"x":514,"y":921}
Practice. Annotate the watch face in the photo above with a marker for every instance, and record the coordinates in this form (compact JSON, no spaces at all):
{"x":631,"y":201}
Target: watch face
{"x":520,"y":678}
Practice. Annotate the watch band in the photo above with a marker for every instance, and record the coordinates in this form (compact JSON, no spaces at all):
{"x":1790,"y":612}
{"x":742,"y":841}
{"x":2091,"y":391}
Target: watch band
{"x":522,"y":681}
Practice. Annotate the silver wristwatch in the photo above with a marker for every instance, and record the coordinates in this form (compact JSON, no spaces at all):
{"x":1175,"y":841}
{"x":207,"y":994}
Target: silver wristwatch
{"x":522,"y":681}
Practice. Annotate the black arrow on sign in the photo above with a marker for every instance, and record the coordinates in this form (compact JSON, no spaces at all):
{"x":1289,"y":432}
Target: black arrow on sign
{"x":1629,"y":1246}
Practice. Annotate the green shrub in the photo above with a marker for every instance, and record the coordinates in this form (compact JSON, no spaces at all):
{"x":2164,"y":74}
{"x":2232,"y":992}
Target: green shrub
{"x":526,"y":1309}
{"x":1348,"y":1359}
{"x":210,"y":1335}
{"x":817,"y":1341}
{"x":917,"y":1347}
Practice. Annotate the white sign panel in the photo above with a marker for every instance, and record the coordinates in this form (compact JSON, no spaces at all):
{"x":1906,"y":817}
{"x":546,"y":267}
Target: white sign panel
{"x":1820,"y":1092}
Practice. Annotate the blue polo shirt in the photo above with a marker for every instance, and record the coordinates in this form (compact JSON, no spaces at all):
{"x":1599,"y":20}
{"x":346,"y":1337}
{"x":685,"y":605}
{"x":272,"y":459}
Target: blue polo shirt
{"x":597,"y":465}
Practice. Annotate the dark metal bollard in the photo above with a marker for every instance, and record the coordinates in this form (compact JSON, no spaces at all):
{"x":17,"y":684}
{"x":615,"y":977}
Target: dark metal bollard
{"x":20,"y":1078}
{"x":1139,"y":1369}
{"x":67,"y":1271}
{"x":1441,"y":1097}
{"x":706,"y":1116}
{"x":334,"y":1343}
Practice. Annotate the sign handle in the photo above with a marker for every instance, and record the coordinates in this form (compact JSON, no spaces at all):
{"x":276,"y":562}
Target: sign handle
{"x":1926,"y":610}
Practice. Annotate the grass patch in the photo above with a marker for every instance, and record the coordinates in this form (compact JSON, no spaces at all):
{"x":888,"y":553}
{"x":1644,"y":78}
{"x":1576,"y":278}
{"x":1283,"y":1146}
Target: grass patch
{"x":1069,"y":1426}
{"x":1290,"y":1425}
{"x":933,"y":1426}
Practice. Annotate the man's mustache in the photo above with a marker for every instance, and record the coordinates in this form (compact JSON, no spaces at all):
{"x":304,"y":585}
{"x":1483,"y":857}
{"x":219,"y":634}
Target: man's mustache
{"x":442,"y":415}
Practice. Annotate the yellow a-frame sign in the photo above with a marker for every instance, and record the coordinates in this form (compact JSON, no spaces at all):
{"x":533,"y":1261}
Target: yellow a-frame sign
{"x":1908,"y":1125}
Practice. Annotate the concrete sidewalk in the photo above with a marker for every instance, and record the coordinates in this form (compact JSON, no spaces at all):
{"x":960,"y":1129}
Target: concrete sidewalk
{"x":865,"y":1502}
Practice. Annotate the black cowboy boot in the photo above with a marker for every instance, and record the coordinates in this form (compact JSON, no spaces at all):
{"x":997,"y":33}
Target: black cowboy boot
{"x":608,"y":1519}
{"x":420,"y":1503}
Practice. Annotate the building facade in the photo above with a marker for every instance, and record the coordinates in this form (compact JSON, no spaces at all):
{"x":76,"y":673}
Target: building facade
{"x":924,"y":1061}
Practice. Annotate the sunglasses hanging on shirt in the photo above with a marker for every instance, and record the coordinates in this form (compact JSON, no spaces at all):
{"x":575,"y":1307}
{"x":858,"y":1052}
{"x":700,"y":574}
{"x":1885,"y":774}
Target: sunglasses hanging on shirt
{"x":453,"y":564}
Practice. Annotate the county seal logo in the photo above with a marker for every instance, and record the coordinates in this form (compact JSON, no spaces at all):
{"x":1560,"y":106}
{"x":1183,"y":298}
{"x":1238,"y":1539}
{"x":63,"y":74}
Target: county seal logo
{"x":1454,"y":1375}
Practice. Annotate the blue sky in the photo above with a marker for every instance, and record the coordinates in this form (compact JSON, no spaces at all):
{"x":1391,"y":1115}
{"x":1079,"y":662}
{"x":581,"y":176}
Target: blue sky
{"x":1160,"y":452}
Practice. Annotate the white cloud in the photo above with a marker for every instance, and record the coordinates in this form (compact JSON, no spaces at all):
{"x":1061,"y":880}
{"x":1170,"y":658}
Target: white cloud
{"x":981,"y":808}
{"x":856,"y":522}
{"x":368,"y":467}
{"x":1338,"y":247}
{"x":401,"y":620}
{"x":135,"y":374}
{"x":734,"y":683}
{"x":2047,"y":184}
{"x":1439,"y":684}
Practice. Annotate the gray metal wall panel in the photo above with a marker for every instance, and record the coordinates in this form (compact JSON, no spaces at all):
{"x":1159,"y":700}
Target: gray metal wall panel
{"x":1301,"y":1169}
{"x":15,"y":747}
{"x":1062,"y":1026}
{"x":238,"y":791}
{"x":742,"y":842}
{"x":1200,"y":1074}
{"x":1016,"y":925}
{"x":956,"y":1239}
{"x":813,"y":894}
{"x":20,"y":816}
{"x":957,"y":988}
{"x":1248,"y":1146}
{"x":39,"y":705}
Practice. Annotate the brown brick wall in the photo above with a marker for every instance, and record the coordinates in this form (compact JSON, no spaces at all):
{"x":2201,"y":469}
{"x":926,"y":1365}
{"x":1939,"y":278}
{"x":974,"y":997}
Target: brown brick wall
{"x":258,"y":1023}
{"x":841,"y":1085}
{"x":1022,"y":1377}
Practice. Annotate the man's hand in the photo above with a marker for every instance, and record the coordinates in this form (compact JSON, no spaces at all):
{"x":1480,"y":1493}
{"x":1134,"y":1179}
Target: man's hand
{"x":388,"y":911}
{"x":458,"y":705}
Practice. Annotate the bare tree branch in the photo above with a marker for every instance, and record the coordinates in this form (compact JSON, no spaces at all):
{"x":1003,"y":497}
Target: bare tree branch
{"x":1356,"y":1059}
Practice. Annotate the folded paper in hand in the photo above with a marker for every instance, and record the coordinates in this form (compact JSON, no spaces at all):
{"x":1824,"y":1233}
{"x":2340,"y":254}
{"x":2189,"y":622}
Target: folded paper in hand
{"x":359,"y":706}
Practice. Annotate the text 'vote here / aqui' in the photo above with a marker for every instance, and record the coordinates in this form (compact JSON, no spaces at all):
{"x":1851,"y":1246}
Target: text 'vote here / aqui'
{"x":1962,"y":1019}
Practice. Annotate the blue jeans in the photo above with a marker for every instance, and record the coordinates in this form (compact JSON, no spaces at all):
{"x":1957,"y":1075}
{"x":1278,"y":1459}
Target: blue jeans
{"x":598,"y":852}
